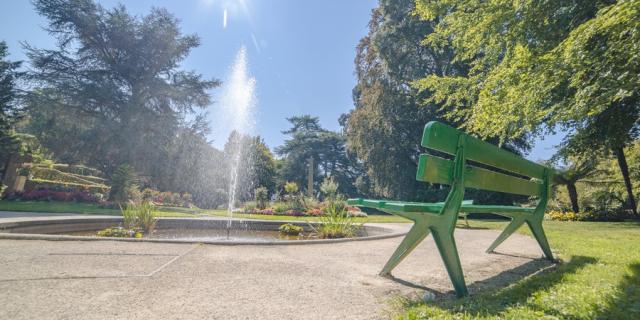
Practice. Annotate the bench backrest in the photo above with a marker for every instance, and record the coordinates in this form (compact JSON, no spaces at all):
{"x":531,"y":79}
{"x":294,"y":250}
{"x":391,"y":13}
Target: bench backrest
{"x":446,"y":139}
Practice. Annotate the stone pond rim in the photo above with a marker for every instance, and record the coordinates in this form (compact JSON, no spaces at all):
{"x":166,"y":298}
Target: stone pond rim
{"x":42,"y":229}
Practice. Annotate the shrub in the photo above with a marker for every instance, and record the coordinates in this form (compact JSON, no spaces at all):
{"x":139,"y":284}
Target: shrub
{"x":37,"y":184}
{"x":24,"y":171}
{"x":294,"y":213}
{"x":557,"y":215}
{"x":262,"y":197}
{"x":616,"y":215}
{"x":280,"y":207}
{"x":167,"y":198}
{"x":139,"y":216}
{"x":291,"y":188}
{"x":123,"y":184}
{"x":149,"y":194}
{"x":250,"y":207}
{"x":313,"y":212}
{"x":336,"y":223}
{"x":290,"y":229}
{"x":329,"y":188}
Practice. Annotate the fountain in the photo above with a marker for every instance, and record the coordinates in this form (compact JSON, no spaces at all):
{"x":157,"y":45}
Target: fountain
{"x":237,"y":104}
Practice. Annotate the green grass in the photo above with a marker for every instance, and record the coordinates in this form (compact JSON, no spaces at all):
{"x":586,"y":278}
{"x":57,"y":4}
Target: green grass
{"x":599,"y":278}
{"x":85,"y":208}
{"x":88,"y":208}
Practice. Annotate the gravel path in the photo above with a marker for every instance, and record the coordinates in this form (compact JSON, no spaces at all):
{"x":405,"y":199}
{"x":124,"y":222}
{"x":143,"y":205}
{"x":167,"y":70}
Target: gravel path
{"x":118,"y":280}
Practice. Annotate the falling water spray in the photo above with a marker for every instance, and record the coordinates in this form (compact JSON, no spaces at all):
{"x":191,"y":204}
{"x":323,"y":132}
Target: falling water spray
{"x":238,"y":101}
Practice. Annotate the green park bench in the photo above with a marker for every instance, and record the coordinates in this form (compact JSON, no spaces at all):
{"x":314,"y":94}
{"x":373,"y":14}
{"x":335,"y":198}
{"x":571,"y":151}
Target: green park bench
{"x":475,"y":164}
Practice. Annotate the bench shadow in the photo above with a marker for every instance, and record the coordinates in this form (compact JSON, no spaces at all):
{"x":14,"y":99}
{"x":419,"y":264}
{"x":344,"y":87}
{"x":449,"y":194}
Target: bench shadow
{"x":506,"y":289}
{"x":506,"y":278}
{"x":519,"y":256}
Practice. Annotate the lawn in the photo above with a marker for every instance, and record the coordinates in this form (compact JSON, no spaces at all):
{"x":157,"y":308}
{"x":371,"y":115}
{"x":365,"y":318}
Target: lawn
{"x":89,"y":208}
{"x":86,"y":208}
{"x":599,"y":278}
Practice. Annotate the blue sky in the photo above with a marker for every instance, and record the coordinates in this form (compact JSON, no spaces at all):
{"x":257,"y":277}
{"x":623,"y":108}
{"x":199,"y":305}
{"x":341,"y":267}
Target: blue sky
{"x":300,"y":52}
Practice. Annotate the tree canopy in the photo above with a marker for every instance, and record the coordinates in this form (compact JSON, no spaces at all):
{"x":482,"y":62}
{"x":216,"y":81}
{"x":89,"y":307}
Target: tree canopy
{"x":536,"y":65}
{"x":115,"y":81}
{"x":307,"y":139}
{"x":9,"y":109}
{"x":385,"y":126}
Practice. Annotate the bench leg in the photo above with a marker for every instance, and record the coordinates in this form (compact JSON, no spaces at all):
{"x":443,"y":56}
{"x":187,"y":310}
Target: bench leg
{"x":538,"y":233}
{"x":508,"y":231}
{"x":447,"y":247}
{"x":535,"y":224}
{"x":418,"y":232}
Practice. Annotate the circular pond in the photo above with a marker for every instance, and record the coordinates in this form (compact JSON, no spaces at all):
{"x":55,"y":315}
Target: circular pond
{"x":215,"y":231}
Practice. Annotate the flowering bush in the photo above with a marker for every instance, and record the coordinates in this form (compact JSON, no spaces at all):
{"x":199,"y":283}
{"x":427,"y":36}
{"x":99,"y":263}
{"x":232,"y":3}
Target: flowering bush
{"x":317,"y":210}
{"x":52,"y":195}
{"x":314,"y":212}
{"x":167,"y":198}
{"x":557,"y":215}
{"x":562,"y":216}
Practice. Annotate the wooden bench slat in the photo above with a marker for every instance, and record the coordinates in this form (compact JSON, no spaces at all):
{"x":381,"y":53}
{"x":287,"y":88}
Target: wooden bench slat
{"x":467,"y":206}
{"x":439,"y":170}
{"x":443,"y":138}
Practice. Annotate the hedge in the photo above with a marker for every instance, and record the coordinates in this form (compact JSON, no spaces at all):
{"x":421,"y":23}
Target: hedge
{"x":37,"y":184}
{"x":49,"y":174}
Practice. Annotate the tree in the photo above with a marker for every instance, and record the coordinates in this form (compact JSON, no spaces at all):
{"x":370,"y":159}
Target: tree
{"x":9,"y":110}
{"x":123,"y":184}
{"x":538,"y":65}
{"x":385,"y":127}
{"x":116,"y":77}
{"x":307,"y":139}
{"x":577,"y":170}
{"x":263,"y":165}
{"x":256,"y":165}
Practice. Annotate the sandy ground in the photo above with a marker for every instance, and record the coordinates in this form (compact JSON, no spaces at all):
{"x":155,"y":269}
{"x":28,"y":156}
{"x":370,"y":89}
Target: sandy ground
{"x":121,"y":280}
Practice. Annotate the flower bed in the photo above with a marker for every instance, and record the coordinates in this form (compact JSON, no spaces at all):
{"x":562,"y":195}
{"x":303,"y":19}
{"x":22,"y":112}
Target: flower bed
{"x":312,"y":212}
{"x":53,"y":195}
{"x":168,"y":198}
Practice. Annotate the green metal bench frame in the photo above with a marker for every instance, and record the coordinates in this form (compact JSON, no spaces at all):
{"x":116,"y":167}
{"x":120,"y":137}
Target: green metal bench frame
{"x":440,"y":219}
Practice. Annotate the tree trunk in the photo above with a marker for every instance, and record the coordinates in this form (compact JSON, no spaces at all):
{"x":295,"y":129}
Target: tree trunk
{"x":573,"y":196}
{"x":624,"y":169}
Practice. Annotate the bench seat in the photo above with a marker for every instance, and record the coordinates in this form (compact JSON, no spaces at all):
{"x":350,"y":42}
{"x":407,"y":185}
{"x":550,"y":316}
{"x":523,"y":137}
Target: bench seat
{"x":436,"y":207}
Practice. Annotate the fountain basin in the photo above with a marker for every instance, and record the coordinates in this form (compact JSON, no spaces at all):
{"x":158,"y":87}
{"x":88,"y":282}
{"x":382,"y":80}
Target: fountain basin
{"x":180,"y":230}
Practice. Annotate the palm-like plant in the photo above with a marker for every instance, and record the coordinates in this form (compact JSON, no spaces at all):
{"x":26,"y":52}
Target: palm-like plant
{"x":577,"y":170}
